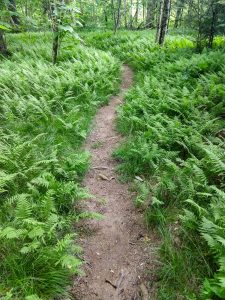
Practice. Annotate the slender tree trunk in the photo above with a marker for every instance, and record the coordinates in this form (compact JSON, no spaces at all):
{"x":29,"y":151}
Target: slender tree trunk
{"x":105,"y":16}
{"x":190,"y":11}
{"x":200,"y":35}
{"x":150,"y":18}
{"x":14,"y":16}
{"x":159,"y":20}
{"x":137,"y":13}
{"x":178,"y":15}
{"x":143,"y":10}
{"x":26,"y":8}
{"x":55,"y":45}
{"x":213,"y":24}
{"x":125,"y":13}
{"x":3,"y":47}
{"x":164,"y":21}
{"x":168,"y":20}
{"x":55,"y":29}
{"x":113,"y":13}
{"x":131,"y":14}
{"x":117,"y":21}
{"x":149,"y":14}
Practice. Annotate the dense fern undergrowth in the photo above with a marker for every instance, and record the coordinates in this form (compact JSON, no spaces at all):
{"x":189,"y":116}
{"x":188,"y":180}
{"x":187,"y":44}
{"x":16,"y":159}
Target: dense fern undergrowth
{"x":45,"y":113}
{"x":174,"y":122}
{"x":173,"y":119}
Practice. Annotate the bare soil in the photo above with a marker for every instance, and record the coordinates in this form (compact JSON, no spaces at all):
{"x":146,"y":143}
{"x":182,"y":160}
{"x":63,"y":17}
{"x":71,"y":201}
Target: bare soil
{"x":119,"y":252}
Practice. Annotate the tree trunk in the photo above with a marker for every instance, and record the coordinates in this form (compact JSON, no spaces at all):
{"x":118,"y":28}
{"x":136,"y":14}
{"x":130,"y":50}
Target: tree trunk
{"x":150,"y":14}
{"x":190,"y":11}
{"x":131,"y":14}
{"x":105,"y":17}
{"x":159,"y":21}
{"x":143,"y":10}
{"x":178,"y":15}
{"x":168,"y":20}
{"x":14,"y":16}
{"x":116,"y":15}
{"x":137,"y":13}
{"x":213,"y":24}
{"x":125,"y":13}
{"x":55,"y":30}
{"x":3,"y":47}
{"x":55,"y":45}
{"x":113,"y":13}
{"x":164,"y":21}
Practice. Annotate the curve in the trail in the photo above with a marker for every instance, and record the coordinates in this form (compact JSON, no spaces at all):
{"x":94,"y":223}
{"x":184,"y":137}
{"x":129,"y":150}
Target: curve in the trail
{"x":117,"y":249}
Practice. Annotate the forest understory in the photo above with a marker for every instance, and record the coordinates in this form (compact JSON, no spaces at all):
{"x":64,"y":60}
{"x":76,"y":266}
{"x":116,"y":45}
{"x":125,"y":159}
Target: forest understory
{"x":172,"y":155}
{"x":112,"y":150}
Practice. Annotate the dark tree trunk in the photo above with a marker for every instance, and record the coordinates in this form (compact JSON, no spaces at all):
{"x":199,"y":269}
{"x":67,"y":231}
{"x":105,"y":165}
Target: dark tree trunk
{"x":143,"y":11}
{"x":178,"y":15}
{"x":116,"y":14}
{"x":150,"y":14}
{"x":55,"y":30}
{"x":131,"y":15}
{"x":113,"y":13}
{"x":137,"y":13}
{"x":3,"y":47}
{"x":168,"y":20}
{"x":55,"y":45}
{"x":106,"y":17}
{"x":125,"y":13}
{"x":190,"y":11}
{"x":159,"y":20}
{"x":14,"y":16}
{"x":164,"y":21}
{"x":213,"y":24}
{"x":105,"y":12}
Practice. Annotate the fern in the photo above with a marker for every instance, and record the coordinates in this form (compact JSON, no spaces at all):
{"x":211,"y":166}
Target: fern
{"x":46,"y":113}
{"x":173,"y":118}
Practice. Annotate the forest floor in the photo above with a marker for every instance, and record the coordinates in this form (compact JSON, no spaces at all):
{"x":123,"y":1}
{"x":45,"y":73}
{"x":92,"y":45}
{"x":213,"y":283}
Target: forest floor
{"x":117,"y":249}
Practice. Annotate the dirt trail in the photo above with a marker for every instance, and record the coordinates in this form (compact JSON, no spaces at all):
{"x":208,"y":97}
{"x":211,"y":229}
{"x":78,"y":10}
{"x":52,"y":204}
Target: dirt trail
{"x":117,"y":249}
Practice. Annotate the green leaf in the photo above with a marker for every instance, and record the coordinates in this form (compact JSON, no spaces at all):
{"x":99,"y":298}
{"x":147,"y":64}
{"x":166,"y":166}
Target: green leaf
{"x":3,"y":27}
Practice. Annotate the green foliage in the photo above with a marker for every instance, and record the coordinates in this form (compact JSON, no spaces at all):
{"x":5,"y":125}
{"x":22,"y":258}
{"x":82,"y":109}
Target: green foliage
{"x":45,"y":113}
{"x":174,"y":122}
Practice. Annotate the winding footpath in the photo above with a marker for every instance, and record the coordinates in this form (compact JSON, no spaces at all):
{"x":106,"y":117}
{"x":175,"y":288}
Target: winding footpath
{"x":117,"y":249}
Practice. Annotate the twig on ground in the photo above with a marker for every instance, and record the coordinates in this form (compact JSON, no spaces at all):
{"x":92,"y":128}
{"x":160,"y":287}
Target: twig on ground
{"x":100,"y":168}
{"x":103,"y":177}
{"x":109,"y":282}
